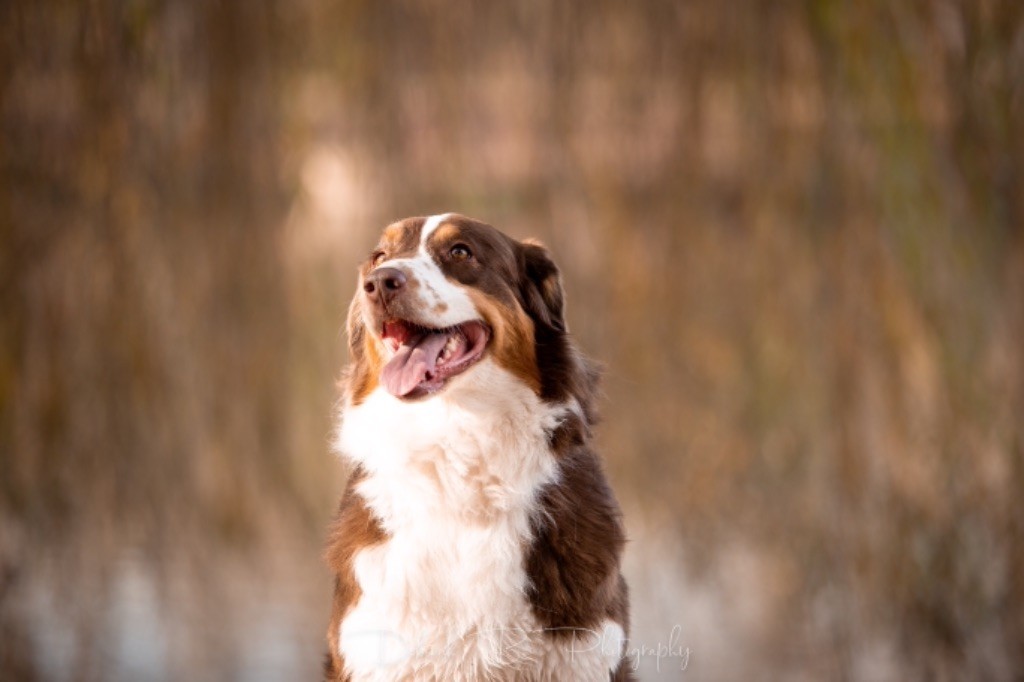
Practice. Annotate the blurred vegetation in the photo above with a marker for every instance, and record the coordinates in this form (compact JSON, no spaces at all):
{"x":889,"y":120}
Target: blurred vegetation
{"x":793,"y":231}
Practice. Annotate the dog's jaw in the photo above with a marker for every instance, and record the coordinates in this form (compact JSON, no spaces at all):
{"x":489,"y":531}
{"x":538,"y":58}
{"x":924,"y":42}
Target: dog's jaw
{"x":422,"y":359}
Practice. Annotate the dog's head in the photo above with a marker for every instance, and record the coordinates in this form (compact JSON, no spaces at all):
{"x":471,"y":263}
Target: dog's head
{"x":440,"y":295}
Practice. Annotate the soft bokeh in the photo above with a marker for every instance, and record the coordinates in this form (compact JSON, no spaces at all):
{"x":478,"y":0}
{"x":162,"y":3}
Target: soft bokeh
{"x":792,"y":231}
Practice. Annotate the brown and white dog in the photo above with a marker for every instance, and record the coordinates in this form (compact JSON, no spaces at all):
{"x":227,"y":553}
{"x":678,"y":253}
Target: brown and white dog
{"x":477,"y":538}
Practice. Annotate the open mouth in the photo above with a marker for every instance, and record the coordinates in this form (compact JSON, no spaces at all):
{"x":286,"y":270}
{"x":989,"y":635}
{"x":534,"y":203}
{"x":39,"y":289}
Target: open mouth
{"x":424,"y":359}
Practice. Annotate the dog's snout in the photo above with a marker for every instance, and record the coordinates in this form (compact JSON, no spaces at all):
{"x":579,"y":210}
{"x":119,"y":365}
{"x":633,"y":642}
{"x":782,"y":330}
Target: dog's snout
{"x":383,"y":284}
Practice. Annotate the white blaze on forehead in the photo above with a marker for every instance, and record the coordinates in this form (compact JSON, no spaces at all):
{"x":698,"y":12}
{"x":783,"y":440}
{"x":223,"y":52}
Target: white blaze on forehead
{"x":431,"y":224}
{"x":442,"y":303}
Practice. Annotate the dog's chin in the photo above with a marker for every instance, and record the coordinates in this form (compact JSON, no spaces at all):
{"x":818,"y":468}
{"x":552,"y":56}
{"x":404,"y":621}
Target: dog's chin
{"x":422,"y":360}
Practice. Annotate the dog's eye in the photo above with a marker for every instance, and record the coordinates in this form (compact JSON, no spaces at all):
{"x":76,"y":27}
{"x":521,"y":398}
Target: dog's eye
{"x":460,"y":252}
{"x":377,"y":258}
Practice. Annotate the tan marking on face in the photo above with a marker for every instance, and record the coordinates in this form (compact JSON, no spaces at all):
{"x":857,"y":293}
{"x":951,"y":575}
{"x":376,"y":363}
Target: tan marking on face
{"x":402,"y":238}
{"x":366,"y":371}
{"x":445,"y":232}
{"x":511,"y":343}
{"x":394,"y":232}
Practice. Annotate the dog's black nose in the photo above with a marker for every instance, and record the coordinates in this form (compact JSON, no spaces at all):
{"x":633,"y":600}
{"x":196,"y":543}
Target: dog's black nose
{"x":383,"y":284}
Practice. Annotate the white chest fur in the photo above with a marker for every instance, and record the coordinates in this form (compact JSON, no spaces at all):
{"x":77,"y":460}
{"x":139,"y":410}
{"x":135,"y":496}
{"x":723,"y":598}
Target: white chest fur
{"x":453,"y":480}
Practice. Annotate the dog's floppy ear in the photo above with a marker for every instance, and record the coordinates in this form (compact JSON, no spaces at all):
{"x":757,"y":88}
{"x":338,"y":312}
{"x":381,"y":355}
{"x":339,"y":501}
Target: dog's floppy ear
{"x":541,"y":286}
{"x":361,"y":374}
{"x":356,"y":330}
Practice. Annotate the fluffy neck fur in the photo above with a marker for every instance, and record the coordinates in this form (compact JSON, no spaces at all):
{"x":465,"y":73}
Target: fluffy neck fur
{"x":453,"y":481}
{"x":479,"y":449}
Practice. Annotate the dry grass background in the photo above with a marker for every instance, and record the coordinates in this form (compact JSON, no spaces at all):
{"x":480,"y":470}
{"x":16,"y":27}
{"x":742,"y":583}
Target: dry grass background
{"x":793,"y":232}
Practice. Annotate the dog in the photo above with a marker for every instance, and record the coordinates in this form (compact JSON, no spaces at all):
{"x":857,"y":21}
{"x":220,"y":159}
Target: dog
{"x":477,"y":538}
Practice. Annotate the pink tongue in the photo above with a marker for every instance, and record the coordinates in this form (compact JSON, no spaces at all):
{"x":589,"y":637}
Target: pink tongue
{"x":412,"y":362}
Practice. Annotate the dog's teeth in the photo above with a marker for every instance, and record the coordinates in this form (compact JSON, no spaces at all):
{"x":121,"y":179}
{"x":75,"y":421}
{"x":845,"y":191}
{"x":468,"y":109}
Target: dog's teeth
{"x":448,"y":349}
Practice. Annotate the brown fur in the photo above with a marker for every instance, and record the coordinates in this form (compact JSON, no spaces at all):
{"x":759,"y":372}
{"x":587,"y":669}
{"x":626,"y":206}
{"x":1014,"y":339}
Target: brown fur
{"x":512,"y":338}
{"x":354,"y":528}
{"x":573,"y":561}
{"x":365,"y":362}
{"x":577,"y":541}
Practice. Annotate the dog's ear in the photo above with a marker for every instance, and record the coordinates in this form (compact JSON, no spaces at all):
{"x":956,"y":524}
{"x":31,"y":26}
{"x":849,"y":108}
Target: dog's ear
{"x":360,"y":375}
{"x":355,"y":329}
{"x":541,"y":286}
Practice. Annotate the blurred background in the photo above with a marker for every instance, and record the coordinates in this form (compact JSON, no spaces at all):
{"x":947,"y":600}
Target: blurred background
{"x":792,"y":231}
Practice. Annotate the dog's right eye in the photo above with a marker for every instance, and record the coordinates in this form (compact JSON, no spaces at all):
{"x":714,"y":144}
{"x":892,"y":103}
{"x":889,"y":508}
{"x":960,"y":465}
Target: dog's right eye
{"x":377,"y":258}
